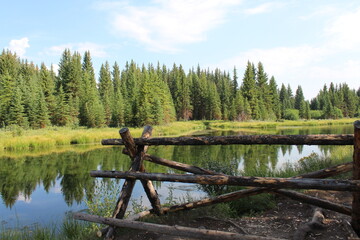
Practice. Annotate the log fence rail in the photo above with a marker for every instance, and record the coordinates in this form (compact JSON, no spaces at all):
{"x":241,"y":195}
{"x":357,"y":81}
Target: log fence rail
{"x":136,"y":149}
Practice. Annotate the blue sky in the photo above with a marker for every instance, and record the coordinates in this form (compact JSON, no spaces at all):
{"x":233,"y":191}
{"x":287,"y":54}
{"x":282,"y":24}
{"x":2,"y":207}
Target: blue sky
{"x":307,"y":42}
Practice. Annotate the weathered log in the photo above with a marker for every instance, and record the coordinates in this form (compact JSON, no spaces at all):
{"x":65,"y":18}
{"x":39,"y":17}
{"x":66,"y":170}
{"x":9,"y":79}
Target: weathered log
{"x":303,"y":183}
{"x":315,"y":201}
{"x":177,"y":165}
{"x":128,"y":141}
{"x":170,"y":230}
{"x":331,"y":171}
{"x":355,"y":217}
{"x":321,"y":139}
{"x":315,"y":224}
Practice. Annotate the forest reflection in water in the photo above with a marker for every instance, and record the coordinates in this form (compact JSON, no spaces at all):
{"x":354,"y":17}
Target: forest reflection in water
{"x":61,"y":180}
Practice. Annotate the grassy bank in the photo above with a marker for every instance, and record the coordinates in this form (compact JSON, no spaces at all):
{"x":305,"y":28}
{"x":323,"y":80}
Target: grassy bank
{"x":17,"y":139}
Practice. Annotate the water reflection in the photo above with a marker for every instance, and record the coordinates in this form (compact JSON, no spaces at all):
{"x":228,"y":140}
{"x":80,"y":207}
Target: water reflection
{"x":65,"y":176}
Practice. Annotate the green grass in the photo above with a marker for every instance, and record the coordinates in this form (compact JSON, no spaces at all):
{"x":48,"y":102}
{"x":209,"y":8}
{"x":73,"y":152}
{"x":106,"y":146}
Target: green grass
{"x":15,"y":139}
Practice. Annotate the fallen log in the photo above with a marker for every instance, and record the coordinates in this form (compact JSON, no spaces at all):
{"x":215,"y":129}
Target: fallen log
{"x":299,"y":183}
{"x":314,"y":201}
{"x":170,"y":230}
{"x":321,"y":139}
{"x":328,"y":172}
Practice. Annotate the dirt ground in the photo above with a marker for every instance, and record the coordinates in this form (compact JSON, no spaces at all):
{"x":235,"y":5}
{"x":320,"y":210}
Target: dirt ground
{"x":281,"y":222}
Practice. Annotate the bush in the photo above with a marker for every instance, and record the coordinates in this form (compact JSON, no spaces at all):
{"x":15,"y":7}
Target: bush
{"x":291,"y":114}
{"x":316,"y":114}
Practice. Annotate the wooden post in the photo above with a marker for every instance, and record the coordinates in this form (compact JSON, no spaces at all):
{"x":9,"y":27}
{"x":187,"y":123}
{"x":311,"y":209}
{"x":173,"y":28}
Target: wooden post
{"x":147,"y":184}
{"x":355,"y":217}
{"x":136,"y":154}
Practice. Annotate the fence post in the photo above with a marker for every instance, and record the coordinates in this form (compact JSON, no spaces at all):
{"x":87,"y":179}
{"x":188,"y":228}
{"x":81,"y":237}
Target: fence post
{"x":355,"y":217}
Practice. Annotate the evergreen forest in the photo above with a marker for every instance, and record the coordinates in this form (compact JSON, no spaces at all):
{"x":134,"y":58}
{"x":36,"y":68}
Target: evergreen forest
{"x":37,"y":97}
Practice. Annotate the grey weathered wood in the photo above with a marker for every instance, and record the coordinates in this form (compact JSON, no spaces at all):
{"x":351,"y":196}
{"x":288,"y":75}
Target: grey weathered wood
{"x":171,"y":230}
{"x":322,"y":139}
{"x":128,"y":141}
{"x":303,"y":183}
{"x":355,"y":217}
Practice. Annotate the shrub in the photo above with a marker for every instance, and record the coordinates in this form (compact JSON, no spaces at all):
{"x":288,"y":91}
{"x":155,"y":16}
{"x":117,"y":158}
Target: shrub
{"x":291,"y":114}
{"x":316,"y":114}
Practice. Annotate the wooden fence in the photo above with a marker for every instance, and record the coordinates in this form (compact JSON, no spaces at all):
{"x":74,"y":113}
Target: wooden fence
{"x":136,"y":149}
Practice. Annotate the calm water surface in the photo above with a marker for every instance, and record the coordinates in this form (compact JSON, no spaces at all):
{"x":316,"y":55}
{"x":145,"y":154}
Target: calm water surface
{"x":42,"y":189}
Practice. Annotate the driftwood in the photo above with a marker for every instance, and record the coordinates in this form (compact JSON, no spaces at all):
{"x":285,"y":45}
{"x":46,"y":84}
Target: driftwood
{"x":355,"y":217}
{"x":321,"y":139}
{"x":315,"y":224}
{"x":270,"y":182}
{"x":170,"y":230}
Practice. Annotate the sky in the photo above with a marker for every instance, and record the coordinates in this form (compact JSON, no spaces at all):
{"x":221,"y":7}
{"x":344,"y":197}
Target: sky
{"x":300,"y":42}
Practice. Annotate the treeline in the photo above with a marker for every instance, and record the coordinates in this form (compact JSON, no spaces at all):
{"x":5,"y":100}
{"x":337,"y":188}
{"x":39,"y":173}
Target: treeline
{"x":36,"y":97}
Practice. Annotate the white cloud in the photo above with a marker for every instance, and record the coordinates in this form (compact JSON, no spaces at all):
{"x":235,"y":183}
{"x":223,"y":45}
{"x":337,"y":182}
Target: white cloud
{"x":279,"y":61}
{"x":19,"y":46}
{"x":344,"y":31}
{"x":166,"y":25}
{"x":323,"y":11}
{"x":23,"y":198}
{"x":263,"y":8}
{"x":96,"y":50}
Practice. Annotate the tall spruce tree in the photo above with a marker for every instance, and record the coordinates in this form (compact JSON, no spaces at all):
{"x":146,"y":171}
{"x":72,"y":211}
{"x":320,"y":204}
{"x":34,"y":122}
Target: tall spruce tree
{"x":118,"y":104}
{"x":106,"y":91}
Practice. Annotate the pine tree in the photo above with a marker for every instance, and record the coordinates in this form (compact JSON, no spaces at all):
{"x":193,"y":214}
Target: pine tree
{"x":299,"y":98}
{"x":118,"y":105}
{"x":61,"y":117}
{"x":249,"y":90}
{"x":91,"y":111}
{"x":275,"y":98}
{"x":47,"y":82}
{"x":9,"y":72}
{"x":42,"y":114}
{"x":16,"y":114}
{"x":106,"y":91}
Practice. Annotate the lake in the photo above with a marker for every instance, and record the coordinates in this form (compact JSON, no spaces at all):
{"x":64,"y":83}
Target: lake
{"x":42,"y":188}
